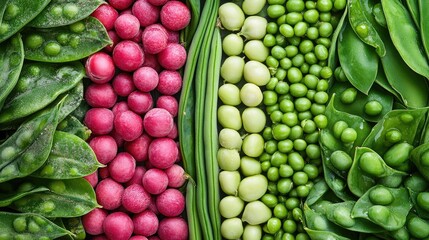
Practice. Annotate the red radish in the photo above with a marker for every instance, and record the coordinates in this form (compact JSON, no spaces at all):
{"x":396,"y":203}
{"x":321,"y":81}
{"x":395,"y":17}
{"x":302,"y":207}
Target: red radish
{"x":135,"y":199}
{"x":170,"y":203}
{"x":118,"y":138}
{"x":168,"y":103}
{"x":157,"y":2}
{"x":100,"y":95}
{"x":120,"y":107}
{"x":145,"y":79}
{"x":92,"y":178}
{"x":151,"y":61}
{"x":121,"y":4}
{"x":158,"y":122}
{"x":137,"y":177}
{"x":173,"y":57}
{"x":122,"y":167}
{"x":93,"y":221}
{"x":127,"y":26}
{"x":100,"y":68}
{"x":115,"y":39}
{"x":99,"y":120}
{"x":139,"y":147}
{"x":146,"y":13}
{"x":152,"y":205}
{"x":107,"y":15}
{"x":163,"y":152}
{"x":103,"y":173}
{"x":123,"y":84}
{"x":173,"y":134}
{"x":145,"y":223}
{"x":140,"y":102}
{"x":104,"y":147}
{"x":138,"y":237}
{"x":154,"y":38}
{"x":170,"y":82}
{"x":173,"y":36}
{"x":175,"y":15}
{"x":109,"y":193}
{"x":174,"y":228}
{"x":128,"y":125}
{"x":176,"y":176}
{"x":128,"y":55}
{"x":118,"y":226}
{"x":155,"y":181}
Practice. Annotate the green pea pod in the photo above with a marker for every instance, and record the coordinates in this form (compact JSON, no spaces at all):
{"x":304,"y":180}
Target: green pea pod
{"x":390,"y":217}
{"x":72,"y":125}
{"x":28,"y":147}
{"x":8,"y":198}
{"x":80,"y":111}
{"x":424,"y":23}
{"x":362,"y":25}
{"x":75,"y":226}
{"x":333,"y":56}
{"x":379,"y":18}
{"x":419,"y":156}
{"x":360,"y":65}
{"x":72,"y":100}
{"x":65,"y":43}
{"x":413,"y":9}
{"x":3,"y":6}
{"x":70,"y":157}
{"x":381,"y":81}
{"x":369,"y":169}
{"x":38,"y":85}
{"x":336,"y":182}
{"x":317,"y":192}
{"x":12,"y":59}
{"x":405,"y":36}
{"x":66,"y":198}
{"x":29,"y":226}
{"x":64,"y":12}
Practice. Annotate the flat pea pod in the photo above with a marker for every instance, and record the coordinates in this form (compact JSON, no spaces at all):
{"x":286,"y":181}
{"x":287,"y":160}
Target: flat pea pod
{"x":359,"y":65}
{"x":7,"y":198}
{"x":390,"y":217}
{"x":381,"y":81}
{"x":70,"y":157}
{"x":405,"y":36}
{"x":12,"y":59}
{"x":333,"y":56}
{"x":41,"y":81}
{"x":74,"y":126}
{"x":413,"y":9}
{"x":317,"y":192}
{"x":29,"y":226}
{"x":72,"y":100}
{"x":29,"y":146}
{"x":423,"y":8}
{"x":361,"y":24}
{"x":64,"y":12}
{"x":65,"y":43}
{"x":17,"y":14}
{"x":66,"y":198}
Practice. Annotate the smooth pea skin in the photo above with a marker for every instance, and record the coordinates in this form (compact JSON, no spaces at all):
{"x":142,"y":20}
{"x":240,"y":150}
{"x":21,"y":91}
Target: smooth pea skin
{"x":231,"y":16}
{"x":256,"y":50}
{"x":370,"y":163}
{"x":231,"y":206}
{"x":256,"y":72}
{"x":232,"y":69}
{"x":254,"y":27}
{"x":252,"y":232}
{"x":342,"y":217}
{"x":253,"y":187}
{"x":256,"y":212}
{"x":423,"y":200}
{"x":380,"y":196}
{"x":229,"y":181}
{"x":398,"y":154}
{"x":379,"y":214}
{"x":253,"y":145}
{"x":341,"y":160}
{"x":250,"y":166}
{"x":254,"y":119}
{"x":228,"y":159}
{"x":251,"y":95}
{"x":232,"y":44}
{"x":230,"y":138}
{"x":418,"y":227}
{"x":229,"y":117}
{"x":232,"y":228}
{"x":229,"y":94}
{"x":252,"y":7}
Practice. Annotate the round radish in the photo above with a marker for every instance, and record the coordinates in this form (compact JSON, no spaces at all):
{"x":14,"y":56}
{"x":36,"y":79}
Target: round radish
{"x":93,"y":221}
{"x":145,"y":223}
{"x":100,"y":68}
{"x":176,"y":176}
{"x":175,"y":15}
{"x":122,"y":167}
{"x":99,"y":120}
{"x":137,"y":177}
{"x":140,"y":102}
{"x":158,"y":122}
{"x":170,"y":203}
{"x":152,"y":205}
{"x":163,"y":152}
{"x":128,"y":55}
{"x":155,"y":181}
{"x":157,"y":2}
{"x":139,"y":147}
{"x":109,"y":193}
{"x":173,"y":36}
{"x":170,"y":82}
{"x":154,"y":38}
{"x":123,"y":84}
{"x":118,"y":226}
{"x":173,"y":57}
{"x":150,"y":60}
{"x":128,"y":124}
{"x":138,"y":237}
{"x":115,"y":39}
{"x":92,"y":178}
{"x":168,"y":103}
{"x":135,"y":199}
{"x":121,"y":4}
{"x":173,"y":134}
{"x":107,"y":15}
{"x":127,"y":26}
{"x":146,"y":13}
{"x":100,"y":95}
{"x":104,"y":147}
{"x":145,"y":79}
{"x":103,"y":173}
{"x":120,"y":107}
{"x":174,"y":228}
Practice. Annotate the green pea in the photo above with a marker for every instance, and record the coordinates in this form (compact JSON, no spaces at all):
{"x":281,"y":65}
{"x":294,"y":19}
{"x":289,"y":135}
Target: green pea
{"x":371,"y":164}
{"x":324,"y":5}
{"x":285,"y":171}
{"x":33,"y":227}
{"x":406,"y":118}
{"x":273,"y":225}
{"x":272,"y":108}
{"x":266,"y":164}
{"x":423,"y":200}
{"x":232,"y":44}
{"x":276,"y":116}
{"x":339,"y":127}
{"x":324,"y":41}
{"x":275,"y":10}
{"x":280,"y":211}
{"x":282,"y":88}
{"x":278,"y":158}
{"x":269,"y":97}
{"x":47,"y":207}
{"x":362,"y":30}
{"x":325,"y":29}
{"x":278,"y":52}
{"x":77,"y":27}
{"x":373,"y":108}
{"x":312,"y":33}
{"x":348,"y":135}
{"x":33,"y":41}
{"x":272,"y":28}
{"x":294,"y":75}
{"x":269,"y":40}
{"x":310,"y":4}
{"x":326,"y":72}
{"x":379,"y":214}
{"x":52,"y":49}
{"x":281,"y":40}
{"x":295,"y":5}
{"x":424,"y":159}
{"x":398,"y":154}
{"x":298,"y":89}
{"x":284,"y":185}
{"x":296,"y":161}
{"x":339,"y":4}
{"x":313,"y":151}
{"x":281,"y":74}
{"x":70,"y":10}
{"x":302,"y":104}
{"x":302,"y":191}
{"x":271,"y":85}
{"x":20,"y":224}
{"x":285,"y":146}
{"x":281,"y":131}
{"x":290,"y":119}
{"x":321,"y":97}
{"x":286,"y":105}
{"x":296,"y":132}
{"x":341,"y":160}
{"x":380,"y":196}
{"x":418,"y":227}
{"x":321,"y":52}
{"x":289,"y":226}
{"x":311,"y":170}
{"x":305,"y":115}
{"x":298,"y":60}
{"x":272,"y":63}
{"x":393,"y":136}
{"x":322,"y":85}
{"x":229,"y":94}
{"x":270,"y":200}
{"x":300,"y":178}
{"x":343,"y":218}
{"x":300,"y":29}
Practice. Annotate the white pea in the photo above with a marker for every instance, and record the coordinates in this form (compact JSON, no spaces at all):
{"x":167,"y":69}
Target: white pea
{"x":254,"y":119}
{"x":229,"y":117}
{"x":256,"y":212}
{"x":232,"y":44}
{"x":256,"y":72}
{"x":230,"y":138}
{"x":231,"y":16}
{"x":231,"y":228}
{"x":252,"y":7}
{"x":253,"y":145}
{"x":252,"y":232}
{"x":231,"y":206}
{"x":256,"y":50}
{"x":253,"y":187}
{"x":250,"y":166}
{"x":228,"y":159}
{"x":251,"y":95}
{"x":229,"y":181}
{"x":229,"y":94}
{"x":254,"y":27}
{"x":232,"y":69}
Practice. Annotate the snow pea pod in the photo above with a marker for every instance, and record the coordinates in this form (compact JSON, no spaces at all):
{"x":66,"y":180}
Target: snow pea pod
{"x":413,"y":9}
{"x":72,"y":125}
{"x":70,"y":157}
{"x":38,"y":85}
{"x":64,"y":12}
{"x":11,"y":61}
{"x":363,"y":25}
{"x":6,"y":198}
{"x":29,"y":146}
{"x":358,"y":60}
{"x":29,"y":226}
{"x":65,"y":43}
{"x":17,"y":14}
{"x":424,"y":24}
{"x":71,"y":100}
{"x":66,"y":198}
{"x":405,"y":36}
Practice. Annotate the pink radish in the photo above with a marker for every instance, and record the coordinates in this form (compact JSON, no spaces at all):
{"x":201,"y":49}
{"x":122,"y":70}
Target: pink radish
{"x":135,"y":199}
{"x":139,"y":147}
{"x":146,"y":13}
{"x":100,"y":95}
{"x":158,"y":122}
{"x":170,"y":82}
{"x":118,"y":226}
{"x":99,"y":120}
{"x":168,"y":103}
{"x":122,"y":167}
{"x":128,"y":55}
{"x":155,"y":181}
{"x":173,"y":57}
{"x":140,"y":102}
{"x":123,"y":84}
{"x":93,"y":221}
{"x":127,"y":26}
{"x":175,"y":15}
{"x":176,"y":176}
{"x":174,"y":228}
{"x":104,"y":147}
{"x":145,"y":223}
{"x":128,"y":125}
{"x":100,"y":68}
{"x":145,"y":79}
{"x":154,"y":38}
{"x":107,"y":15}
{"x":109,"y":193}
{"x":163,"y":152}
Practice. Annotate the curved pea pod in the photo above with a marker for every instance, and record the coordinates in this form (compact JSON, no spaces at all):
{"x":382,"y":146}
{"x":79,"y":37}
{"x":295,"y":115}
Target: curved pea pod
{"x":72,"y":100}
{"x":38,"y":85}
{"x":7,"y":198}
{"x":72,"y":125}
{"x":80,"y":111}
{"x":405,"y":36}
{"x":423,"y":8}
{"x":333,"y":56}
{"x":391,"y":216}
{"x":381,"y":81}
{"x":66,"y":198}
{"x":317,"y":192}
{"x":369,"y":169}
{"x":65,"y":43}
{"x":413,"y":9}
{"x":17,"y":14}
{"x":75,"y":226}
{"x":360,"y":65}
{"x":70,"y":157}
{"x":3,"y":5}
{"x":64,"y":12}
{"x":29,"y":226}
{"x":28,"y":147}
{"x":337,"y":183}
{"x":11,"y":61}
{"x":362,"y":25}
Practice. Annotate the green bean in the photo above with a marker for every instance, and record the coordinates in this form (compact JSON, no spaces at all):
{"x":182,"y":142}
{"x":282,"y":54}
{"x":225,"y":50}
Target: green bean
{"x":189,"y":31}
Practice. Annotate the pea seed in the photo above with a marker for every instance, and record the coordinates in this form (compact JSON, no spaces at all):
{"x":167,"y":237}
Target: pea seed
{"x":34,"y":71}
{"x":230,"y":138}
{"x":373,"y":108}
{"x":11,"y":12}
{"x":33,"y":41}
{"x":285,"y":146}
{"x":285,"y":185}
{"x":311,"y":170}
{"x":293,"y":18}
{"x":5,"y":236}
{"x":52,"y":49}
{"x":281,"y":131}
{"x":48,"y":170}
{"x":250,"y":166}
{"x":20,"y":224}
{"x":251,"y":95}
{"x":380,"y":196}
{"x":303,"y":191}
{"x":379,"y":214}
{"x":348,"y":96}
{"x":8,"y":153}
{"x":348,"y":135}
{"x":256,"y":50}
{"x":362,"y":30}
{"x":56,"y":11}
{"x":393,"y":136}
{"x":311,"y":16}
{"x":320,"y":223}
{"x":371,"y":163}
{"x":343,"y":218}
{"x":70,"y":10}
{"x":40,"y":221}
{"x":278,"y":158}
{"x":230,"y":206}
{"x":398,"y":154}
{"x":406,"y":118}
{"x":229,"y":181}
{"x":57,"y":186}
{"x":4,"y":27}
{"x":74,"y":171}
{"x":324,"y":5}
{"x":302,"y":104}
{"x":24,"y":187}
{"x":33,"y":227}
{"x":300,"y":178}
{"x":79,"y":209}
{"x":256,"y":72}
{"x":341,"y":160}
{"x":418,"y":227}
{"x":424,"y":159}
{"x":296,"y":161}
{"x":74,"y":41}
{"x":9,"y":170}
{"x":228,"y":159}
{"x":423,"y":200}
{"x":229,"y":94}
{"x":339,"y":127}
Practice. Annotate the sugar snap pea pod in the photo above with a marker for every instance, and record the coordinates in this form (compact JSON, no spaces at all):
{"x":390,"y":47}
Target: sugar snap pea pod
{"x":384,"y":206}
{"x":38,"y":85}
{"x":17,"y":14}
{"x":333,"y":56}
{"x":29,"y":226}
{"x":413,"y":9}
{"x":80,"y":111}
{"x":362,"y":25}
{"x":11,"y":61}
{"x":70,"y":157}
{"x":66,"y":198}
{"x":72,"y":125}
{"x":405,"y":36}
{"x":358,"y":60}
{"x":65,"y":43}
{"x":64,"y":12}
{"x":28,"y":147}
{"x":424,"y":23}
{"x":7,"y":198}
